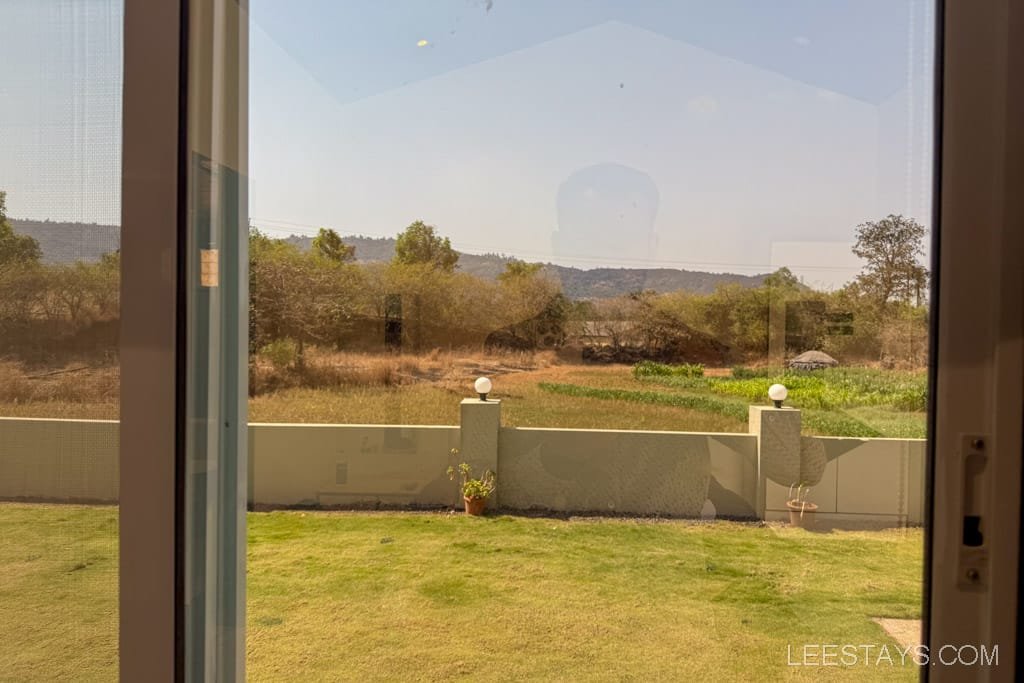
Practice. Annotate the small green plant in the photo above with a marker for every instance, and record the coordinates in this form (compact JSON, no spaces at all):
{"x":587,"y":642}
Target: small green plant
{"x":648,"y":368}
{"x":742,"y":372}
{"x":798,"y":494}
{"x":282,"y":353}
{"x":472,"y":488}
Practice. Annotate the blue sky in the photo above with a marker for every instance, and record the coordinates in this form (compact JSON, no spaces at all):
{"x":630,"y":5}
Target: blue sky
{"x":716,"y":135}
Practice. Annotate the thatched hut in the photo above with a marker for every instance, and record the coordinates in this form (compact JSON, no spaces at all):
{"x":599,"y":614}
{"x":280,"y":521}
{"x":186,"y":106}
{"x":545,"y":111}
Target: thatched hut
{"x":813,"y":360}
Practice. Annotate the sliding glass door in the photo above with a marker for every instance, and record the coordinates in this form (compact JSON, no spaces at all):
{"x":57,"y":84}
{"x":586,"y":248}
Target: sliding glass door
{"x":634,"y":219}
{"x":540,"y":341}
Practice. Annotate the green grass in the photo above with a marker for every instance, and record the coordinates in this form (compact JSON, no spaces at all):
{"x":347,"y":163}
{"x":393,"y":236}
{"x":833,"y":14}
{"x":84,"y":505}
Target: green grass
{"x":838,"y":388}
{"x":648,"y":368}
{"x":815,"y":421}
{"x":407,"y":596}
{"x":892,"y":423}
{"x":707,"y":404}
{"x":860,"y":402}
{"x":836,"y":423}
{"x":58,"y":593}
{"x":829,"y":389}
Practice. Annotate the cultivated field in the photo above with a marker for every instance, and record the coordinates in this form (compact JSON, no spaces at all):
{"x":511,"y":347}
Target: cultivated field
{"x":537,"y":390}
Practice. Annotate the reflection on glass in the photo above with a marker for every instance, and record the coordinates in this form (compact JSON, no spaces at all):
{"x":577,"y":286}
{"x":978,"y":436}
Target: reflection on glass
{"x":634,"y":219}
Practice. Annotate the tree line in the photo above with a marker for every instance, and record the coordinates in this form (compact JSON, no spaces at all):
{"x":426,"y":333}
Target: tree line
{"x":323,"y":296}
{"x":420,"y":301}
{"x":416,"y":302}
{"x":54,"y":301}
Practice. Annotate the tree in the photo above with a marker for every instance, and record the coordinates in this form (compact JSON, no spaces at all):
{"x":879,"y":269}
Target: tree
{"x":25,"y":290}
{"x":15,"y":250}
{"x":297,"y":296}
{"x":892,"y":247}
{"x":328,"y":244}
{"x":615,"y":320}
{"x":532,"y":303}
{"x":79,"y":294}
{"x":516,"y":269}
{"x":419,"y":244}
{"x":107,"y":291}
{"x":782,"y":279}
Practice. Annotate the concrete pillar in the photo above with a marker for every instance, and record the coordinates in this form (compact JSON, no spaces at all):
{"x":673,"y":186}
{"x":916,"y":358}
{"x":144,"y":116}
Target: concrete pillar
{"x":478,"y":439}
{"x":778,"y":448}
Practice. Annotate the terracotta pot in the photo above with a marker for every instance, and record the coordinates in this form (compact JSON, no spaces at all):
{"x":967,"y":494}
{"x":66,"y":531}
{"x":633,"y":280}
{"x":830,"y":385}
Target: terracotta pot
{"x":475,"y":506}
{"x":801,"y":514}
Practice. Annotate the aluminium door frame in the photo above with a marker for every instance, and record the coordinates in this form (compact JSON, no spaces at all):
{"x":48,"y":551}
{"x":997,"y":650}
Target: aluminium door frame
{"x":152,"y":217}
{"x":976,"y":416}
{"x":183,"y":340}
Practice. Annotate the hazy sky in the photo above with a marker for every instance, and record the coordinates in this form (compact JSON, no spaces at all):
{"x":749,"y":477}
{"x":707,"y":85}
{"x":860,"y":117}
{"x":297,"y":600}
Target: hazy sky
{"x":717,"y":135}
{"x":708,"y":135}
{"x":60,"y":109}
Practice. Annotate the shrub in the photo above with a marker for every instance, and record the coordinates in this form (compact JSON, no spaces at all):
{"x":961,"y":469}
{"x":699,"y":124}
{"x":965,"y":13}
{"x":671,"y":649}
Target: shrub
{"x":911,"y":399}
{"x":281,"y":353}
{"x":75,"y":384}
{"x":14,"y":386}
{"x":741,"y":372}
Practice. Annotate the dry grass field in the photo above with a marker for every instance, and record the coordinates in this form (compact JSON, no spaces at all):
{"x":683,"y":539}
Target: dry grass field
{"x":537,"y":390}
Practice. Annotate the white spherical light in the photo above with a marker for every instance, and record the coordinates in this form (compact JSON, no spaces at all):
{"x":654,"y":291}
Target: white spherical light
{"x":482,"y":386}
{"x":778,"y":393}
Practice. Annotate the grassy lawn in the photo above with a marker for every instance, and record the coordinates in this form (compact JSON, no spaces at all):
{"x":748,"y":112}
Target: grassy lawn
{"x":58,"y":592}
{"x":430,"y":596}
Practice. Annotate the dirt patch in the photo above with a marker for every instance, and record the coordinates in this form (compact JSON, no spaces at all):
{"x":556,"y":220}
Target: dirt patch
{"x":73,"y":383}
{"x":444,"y":369}
{"x":906,"y":632}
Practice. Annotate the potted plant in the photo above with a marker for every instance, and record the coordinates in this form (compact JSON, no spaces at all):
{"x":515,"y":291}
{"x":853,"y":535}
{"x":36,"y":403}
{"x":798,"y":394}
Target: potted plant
{"x":474,"y":491}
{"x":801,"y":511}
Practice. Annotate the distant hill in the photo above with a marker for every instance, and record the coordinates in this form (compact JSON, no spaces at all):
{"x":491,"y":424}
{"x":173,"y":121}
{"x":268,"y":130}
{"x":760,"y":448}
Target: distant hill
{"x":68,"y":242}
{"x":595,"y":283}
{"x":599,"y":283}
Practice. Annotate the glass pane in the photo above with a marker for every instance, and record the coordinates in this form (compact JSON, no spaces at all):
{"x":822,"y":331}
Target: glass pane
{"x":60,"y":162}
{"x":634,"y":219}
{"x":215,"y":262}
